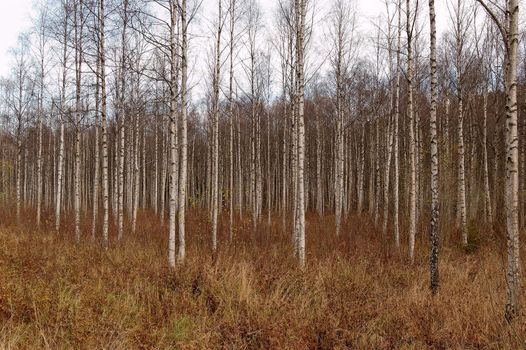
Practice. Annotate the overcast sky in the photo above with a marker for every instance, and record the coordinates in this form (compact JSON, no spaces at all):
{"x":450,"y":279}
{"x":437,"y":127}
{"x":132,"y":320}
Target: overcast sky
{"x":15,"y":18}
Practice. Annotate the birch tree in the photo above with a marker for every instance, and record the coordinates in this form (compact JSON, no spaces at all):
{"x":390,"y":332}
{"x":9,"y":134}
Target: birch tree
{"x":461,"y":22}
{"x":509,"y":29}
{"x":231,"y":118}
{"x":184,"y":132}
{"x":78,"y":42}
{"x":300,"y":10}
{"x":42,"y":43}
{"x":103,"y":106}
{"x":62,"y":112}
{"x":215,"y":126}
{"x":341,"y":31}
{"x":410,"y":21}
{"x":434,"y":153}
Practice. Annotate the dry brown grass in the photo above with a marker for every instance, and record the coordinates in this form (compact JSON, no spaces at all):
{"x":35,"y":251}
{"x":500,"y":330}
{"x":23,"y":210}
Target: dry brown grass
{"x":353,"y":294}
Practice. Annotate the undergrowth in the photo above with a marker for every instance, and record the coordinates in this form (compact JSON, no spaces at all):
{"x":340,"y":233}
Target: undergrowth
{"x":354,"y":293}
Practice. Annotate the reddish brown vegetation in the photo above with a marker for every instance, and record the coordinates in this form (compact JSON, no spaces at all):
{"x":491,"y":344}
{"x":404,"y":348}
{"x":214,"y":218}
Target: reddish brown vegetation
{"x":353,"y":294}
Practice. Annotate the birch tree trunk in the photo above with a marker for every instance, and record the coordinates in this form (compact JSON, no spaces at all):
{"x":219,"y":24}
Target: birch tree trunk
{"x":18,"y":163}
{"x":488,"y":207}
{"x":231,"y":119}
{"x":510,"y":36}
{"x":105,"y":180}
{"x":319,"y":165}
{"x":173,"y":190}
{"x":60,"y":165}
{"x":121,"y":129}
{"x":164,"y":161}
{"x":155,"y":185}
{"x":78,"y":79}
{"x":433,"y":265}
{"x":361,"y":175}
{"x":184,"y":138}
{"x":340,"y":25}
{"x":96,"y":150}
{"x":215,"y":132}
{"x":412,"y":153}
{"x":461,"y":203}
{"x":396,"y":186}
{"x":300,"y":204}
{"x":40,"y":112}
{"x":387,"y":173}
{"x":513,"y":285}
{"x":135,"y":174}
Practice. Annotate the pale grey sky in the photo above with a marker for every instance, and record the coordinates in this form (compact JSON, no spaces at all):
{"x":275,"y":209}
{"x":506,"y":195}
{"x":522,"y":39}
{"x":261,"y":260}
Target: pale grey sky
{"x":15,"y":18}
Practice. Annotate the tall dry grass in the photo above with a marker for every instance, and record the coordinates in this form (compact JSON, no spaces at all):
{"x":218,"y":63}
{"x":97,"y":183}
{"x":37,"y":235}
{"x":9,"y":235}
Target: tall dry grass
{"x":357,"y":291}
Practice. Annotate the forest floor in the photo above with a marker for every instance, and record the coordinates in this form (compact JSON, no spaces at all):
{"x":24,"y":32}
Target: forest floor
{"x":356,"y":292}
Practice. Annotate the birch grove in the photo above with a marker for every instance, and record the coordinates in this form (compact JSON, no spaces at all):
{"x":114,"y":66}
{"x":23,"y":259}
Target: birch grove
{"x":133,"y":111}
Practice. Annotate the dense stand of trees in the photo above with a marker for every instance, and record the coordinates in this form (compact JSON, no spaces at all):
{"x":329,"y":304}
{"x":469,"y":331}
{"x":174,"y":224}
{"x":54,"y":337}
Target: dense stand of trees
{"x":98,"y":117}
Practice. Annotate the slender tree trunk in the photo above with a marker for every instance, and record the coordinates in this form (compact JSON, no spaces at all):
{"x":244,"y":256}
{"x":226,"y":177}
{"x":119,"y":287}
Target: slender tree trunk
{"x":377,"y":174}
{"x":39,"y":150}
{"x":434,"y":154}
{"x":164,"y":161}
{"x":60,"y":165}
{"x":284,"y":166}
{"x":184,"y":138}
{"x":512,"y":173}
{"x":96,"y":151}
{"x":105,"y":180}
{"x":387,"y":172}
{"x":319,"y":184}
{"x":396,"y":199}
{"x":135,"y":175}
{"x":300,"y":204}
{"x":461,"y":190}
{"x":361,"y":175}
{"x":412,"y":153}
{"x":338,"y":188}
{"x":231,"y":120}
{"x":18,"y":166}
{"x":173,"y":134}
{"x":488,"y":207}
{"x":215,"y":132}
{"x":240,"y":168}
{"x":155,"y":182}
{"x":78,"y":107}
{"x":121,"y":128}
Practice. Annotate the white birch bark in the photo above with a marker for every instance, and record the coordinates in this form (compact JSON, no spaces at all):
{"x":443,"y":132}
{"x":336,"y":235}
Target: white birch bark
{"x":319,"y":165}
{"x":396,"y":186}
{"x":487,"y":194}
{"x":300,"y":205}
{"x":96,"y":150}
{"x":60,"y":165}
{"x":461,"y":190}
{"x":135,"y":174}
{"x":434,"y":276}
{"x":105,"y":180}
{"x":215,"y":131}
{"x":41,"y":47}
{"x":121,"y":127}
{"x":78,"y":79}
{"x":184,"y":138}
{"x":231,"y":119}
{"x":412,"y":153}
{"x":173,"y":190}
{"x":513,"y":284}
